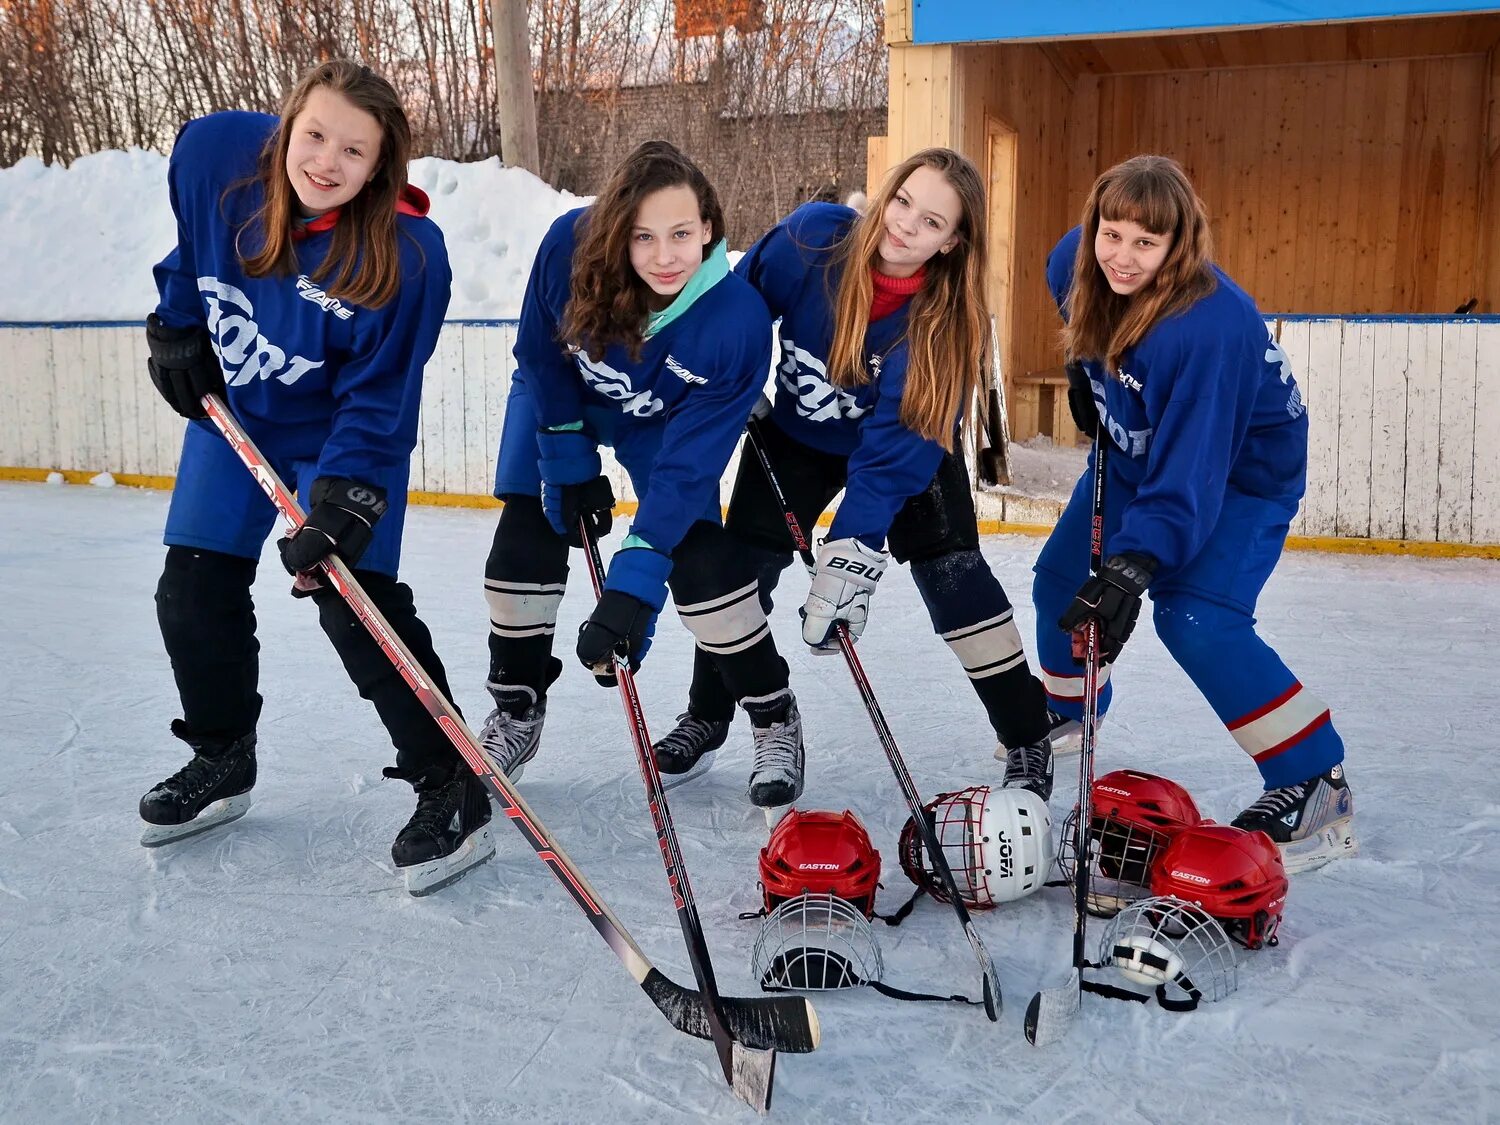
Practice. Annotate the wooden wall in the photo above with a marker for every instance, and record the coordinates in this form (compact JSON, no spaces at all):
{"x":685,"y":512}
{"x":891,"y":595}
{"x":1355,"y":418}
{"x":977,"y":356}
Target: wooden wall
{"x":1333,"y":188}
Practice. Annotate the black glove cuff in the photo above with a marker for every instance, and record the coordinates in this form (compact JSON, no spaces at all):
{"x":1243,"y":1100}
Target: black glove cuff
{"x":364,"y":501}
{"x":1081,"y":404}
{"x":1130,"y":572}
{"x":178,"y":349}
{"x":596,"y":495}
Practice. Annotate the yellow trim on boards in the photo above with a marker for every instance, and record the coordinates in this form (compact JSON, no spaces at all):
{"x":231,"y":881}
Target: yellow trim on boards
{"x":1347,"y":546}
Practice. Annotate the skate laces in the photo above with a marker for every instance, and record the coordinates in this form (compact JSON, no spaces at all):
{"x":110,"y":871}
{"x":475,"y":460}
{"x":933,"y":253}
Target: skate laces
{"x":436,"y":806}
{"x":1028,"y":761}
{"x":200,"y":774}
{"x":778,"y":747}
{"x":689,"y":733}
{"x":511,"y":739}
{"x":1275,"y":802}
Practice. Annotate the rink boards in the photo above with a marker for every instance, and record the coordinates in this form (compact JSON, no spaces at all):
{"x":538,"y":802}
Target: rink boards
{"x":1404,"y":440}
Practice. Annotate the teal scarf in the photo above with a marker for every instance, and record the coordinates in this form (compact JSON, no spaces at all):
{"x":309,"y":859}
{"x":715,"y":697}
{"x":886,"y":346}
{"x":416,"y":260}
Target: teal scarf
{"x":710,"y":273}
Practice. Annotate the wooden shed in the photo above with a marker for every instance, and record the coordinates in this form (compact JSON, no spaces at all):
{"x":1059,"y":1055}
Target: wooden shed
{"x":1346,"y":150}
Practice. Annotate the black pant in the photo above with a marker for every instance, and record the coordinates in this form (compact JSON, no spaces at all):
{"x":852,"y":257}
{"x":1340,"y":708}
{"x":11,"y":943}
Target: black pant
{"x":207,"y":620}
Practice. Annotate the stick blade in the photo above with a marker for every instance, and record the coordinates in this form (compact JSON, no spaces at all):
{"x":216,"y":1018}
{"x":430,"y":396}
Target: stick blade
{"x":761,"y":1023}
{"x":1051,"y":1012}
{"x":751,"y":1075}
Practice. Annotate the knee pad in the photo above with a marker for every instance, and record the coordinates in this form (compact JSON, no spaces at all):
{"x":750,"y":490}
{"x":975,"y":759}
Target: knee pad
{"x":203,"y":599}
{"x":718,"y":595}
{"x":526,"y":572}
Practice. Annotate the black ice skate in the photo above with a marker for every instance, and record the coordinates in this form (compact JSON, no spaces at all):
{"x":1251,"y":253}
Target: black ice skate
{"x":212,"y":789}
{"x":1312,"y":822}
{"x":688,"y":749}
{"x":1028,"y":767}
{"x":448,"y":834}
{"x":777,"y":775}
{"x":513,"y":731}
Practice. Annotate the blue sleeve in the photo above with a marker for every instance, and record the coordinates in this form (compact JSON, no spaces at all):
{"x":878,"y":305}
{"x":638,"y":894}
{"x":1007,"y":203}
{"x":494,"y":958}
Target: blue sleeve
{"x":701,"y":434}
{"x":1060,"y":268}
{"x":1193,"y":401}
{"x":890,"y":464}
{"x":177,"y":274}
{"x":549,"y":372}
{"x":378,"y":391}
{"x":780,"y":261}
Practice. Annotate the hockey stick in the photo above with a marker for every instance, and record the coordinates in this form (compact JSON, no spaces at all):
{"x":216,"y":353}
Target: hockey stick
{"x":1051,"y":1010}
{"x":992,"y":998}
{"x":759,"y":1022}
{"x":749,"y":1072}
{"x":994,"y":461}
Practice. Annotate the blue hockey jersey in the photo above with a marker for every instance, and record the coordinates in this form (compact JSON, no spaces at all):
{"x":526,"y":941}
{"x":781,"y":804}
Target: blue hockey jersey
{"x":792,"y":267}
{"x":308,"y":376}
{"x":697,"y":380}
{"x":1205,"y":403}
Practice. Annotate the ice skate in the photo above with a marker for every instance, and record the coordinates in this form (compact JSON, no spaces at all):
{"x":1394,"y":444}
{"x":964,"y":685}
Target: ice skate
{"x":448,"y":835}
{"x":212,"y":789}
{"x":1312,"y":822}
{"x":687,"y":751}
{"x":777,"y":776}
{"x":513,"y":731}
{"x":1028,"y":767}
{"x":1066,"y":734}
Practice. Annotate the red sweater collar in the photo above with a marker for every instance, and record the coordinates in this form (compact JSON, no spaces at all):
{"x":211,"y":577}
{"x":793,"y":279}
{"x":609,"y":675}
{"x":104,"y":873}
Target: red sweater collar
{"x":890,"y":293}
{"x":413,"y":201}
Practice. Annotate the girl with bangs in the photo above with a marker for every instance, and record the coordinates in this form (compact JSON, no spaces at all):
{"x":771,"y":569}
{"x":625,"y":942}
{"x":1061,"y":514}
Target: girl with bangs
{"x":634,"y":334}
{"x":882,"y":329}
{"x":307,"y":289}
{"x":1177,"y":370}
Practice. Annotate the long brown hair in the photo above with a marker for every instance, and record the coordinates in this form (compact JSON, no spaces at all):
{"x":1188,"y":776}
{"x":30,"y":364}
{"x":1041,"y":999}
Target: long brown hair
{"x":607,"y":301}
{"x":363,"y":259}
{"x":1153,"y":192}
{"x":947,"y":322}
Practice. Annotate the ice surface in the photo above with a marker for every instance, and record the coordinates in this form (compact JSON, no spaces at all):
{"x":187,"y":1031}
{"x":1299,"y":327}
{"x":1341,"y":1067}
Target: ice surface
{"x":276,"y":971}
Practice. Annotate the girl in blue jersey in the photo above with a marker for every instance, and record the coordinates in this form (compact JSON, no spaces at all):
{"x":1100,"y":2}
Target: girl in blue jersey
{"x":882,"y":329}
{"x":634,"y":334}
{"x":1208,"y":459}
{"x":307,"y":288}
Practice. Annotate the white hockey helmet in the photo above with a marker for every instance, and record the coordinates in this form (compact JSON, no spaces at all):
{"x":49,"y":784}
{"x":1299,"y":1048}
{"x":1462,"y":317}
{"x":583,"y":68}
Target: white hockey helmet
{"x":998,"y":843}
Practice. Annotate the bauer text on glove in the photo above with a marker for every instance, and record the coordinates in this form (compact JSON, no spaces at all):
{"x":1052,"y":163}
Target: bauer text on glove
{"x":845,"y":577}
{"x":183,"y":366}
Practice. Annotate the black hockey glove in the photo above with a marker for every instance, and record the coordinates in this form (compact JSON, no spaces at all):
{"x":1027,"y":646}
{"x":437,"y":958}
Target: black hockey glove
{"x":1081,"y":400}
{"x":620,"y":623}
{"x":1113,"y":599}
{"x":342,"y":521}
{"x":183,"y":366}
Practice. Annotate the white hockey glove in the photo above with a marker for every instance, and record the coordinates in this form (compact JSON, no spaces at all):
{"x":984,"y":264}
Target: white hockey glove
{"x":845,"y":577}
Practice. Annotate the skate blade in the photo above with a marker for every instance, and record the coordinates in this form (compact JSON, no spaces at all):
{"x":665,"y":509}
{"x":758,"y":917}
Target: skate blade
{"x":698,"y":769}
{"x":774,"y":814}
{"x":212,"y":816}
{"x":422,"y":879}
{"x":1335,"y":840}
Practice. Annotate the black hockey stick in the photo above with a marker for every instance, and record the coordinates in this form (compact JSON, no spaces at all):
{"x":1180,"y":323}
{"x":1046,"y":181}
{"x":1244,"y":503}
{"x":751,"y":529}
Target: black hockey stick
{"x":994,"y":460}
{"x":781,"y":1023}
{"x":749,"y":1072}
{"x":1051,"y":1010}
{"x":992,"y":998}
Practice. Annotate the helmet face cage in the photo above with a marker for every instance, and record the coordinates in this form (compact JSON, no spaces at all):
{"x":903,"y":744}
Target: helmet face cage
{"x":1121,"y":856}
{"x":1164,"y":941}
{"x":956,"y":826}
{"x":814,"y":943}
{"x":820,"y":852}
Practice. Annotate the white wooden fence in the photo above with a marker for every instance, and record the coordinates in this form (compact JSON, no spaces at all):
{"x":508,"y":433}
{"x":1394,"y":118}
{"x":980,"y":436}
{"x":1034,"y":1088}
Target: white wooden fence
{"x":1405,"y":416}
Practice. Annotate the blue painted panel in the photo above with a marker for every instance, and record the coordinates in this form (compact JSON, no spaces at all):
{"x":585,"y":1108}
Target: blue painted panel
{"x":969,"y":21}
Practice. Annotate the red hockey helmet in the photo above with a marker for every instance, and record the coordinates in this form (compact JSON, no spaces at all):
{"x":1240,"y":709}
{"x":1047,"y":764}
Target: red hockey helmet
{"x":1237,"y":877}
{"x":820,"y":852}
{"x":1135,"y":816}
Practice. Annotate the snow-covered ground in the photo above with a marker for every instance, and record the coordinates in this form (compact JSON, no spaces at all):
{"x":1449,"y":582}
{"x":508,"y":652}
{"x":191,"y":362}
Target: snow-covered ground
{"x":275,"y":971}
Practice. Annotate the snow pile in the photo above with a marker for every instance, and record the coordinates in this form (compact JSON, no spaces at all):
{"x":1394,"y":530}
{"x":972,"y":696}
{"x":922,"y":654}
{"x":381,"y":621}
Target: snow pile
{"x":81,"y":241}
